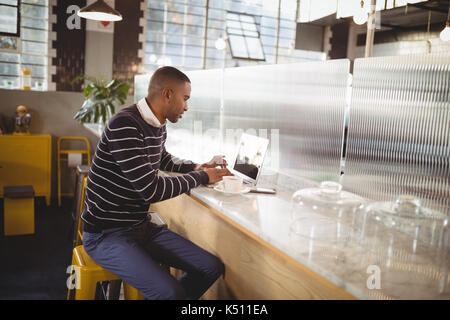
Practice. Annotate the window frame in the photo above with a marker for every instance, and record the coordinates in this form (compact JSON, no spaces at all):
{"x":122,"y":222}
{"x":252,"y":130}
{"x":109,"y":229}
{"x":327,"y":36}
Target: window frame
{"x":244,"y":37}
{"x":18,"y":8}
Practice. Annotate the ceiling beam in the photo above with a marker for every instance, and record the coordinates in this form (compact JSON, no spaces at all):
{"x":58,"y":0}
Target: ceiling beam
{"x":423,"y":7}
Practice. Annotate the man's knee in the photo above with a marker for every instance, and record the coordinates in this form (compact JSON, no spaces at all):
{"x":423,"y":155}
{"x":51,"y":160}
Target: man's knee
{"x":215,"y":268}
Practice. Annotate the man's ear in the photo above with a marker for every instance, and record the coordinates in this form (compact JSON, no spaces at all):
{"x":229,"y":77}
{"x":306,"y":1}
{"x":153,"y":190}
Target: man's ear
{"x":167,"y":93}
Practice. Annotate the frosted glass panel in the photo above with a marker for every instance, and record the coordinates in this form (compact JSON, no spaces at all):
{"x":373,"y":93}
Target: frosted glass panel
{"x":399,"y":130}
{"x":300,"y":107}
{"x":196,"y":136}
{"x":204,"y":103}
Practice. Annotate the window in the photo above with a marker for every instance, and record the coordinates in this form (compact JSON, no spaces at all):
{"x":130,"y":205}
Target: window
{"x":30,"y":51}
{"x":175,"y":34}
{"x":183,"y":33}
{"x":243,"y":37}
{"x":10,"y":18}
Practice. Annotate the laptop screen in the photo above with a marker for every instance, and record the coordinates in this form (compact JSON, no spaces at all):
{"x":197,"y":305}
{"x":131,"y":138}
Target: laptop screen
{"x":250,"y":156}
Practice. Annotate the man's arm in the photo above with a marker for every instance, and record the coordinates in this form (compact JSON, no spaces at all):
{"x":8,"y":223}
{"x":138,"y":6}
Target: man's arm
{"x":127,"y":147}
{"x":173,"y":164}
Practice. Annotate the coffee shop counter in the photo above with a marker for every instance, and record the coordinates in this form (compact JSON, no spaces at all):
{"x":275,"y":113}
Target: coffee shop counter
{"x":265,"y":260}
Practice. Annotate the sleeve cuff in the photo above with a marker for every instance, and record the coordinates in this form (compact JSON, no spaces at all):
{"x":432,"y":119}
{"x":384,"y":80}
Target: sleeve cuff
{"x":189,"y":167}
{"x":204,"y":178}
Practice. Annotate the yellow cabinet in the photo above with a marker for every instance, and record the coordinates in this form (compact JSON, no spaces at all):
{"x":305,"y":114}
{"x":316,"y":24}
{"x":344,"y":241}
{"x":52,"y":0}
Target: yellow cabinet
{"x":26,"y":160}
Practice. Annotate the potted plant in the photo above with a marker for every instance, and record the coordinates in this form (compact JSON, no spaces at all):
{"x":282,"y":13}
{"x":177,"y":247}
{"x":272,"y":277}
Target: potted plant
{"x":102,"y":97}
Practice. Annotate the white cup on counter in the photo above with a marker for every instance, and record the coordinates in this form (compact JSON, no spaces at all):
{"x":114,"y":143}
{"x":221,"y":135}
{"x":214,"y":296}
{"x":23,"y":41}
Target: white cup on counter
{"x":232,"y":184}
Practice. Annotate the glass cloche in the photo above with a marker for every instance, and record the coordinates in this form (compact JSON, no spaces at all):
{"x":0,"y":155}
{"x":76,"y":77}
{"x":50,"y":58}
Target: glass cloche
{"x":326,"y":212}
{"x":409,"y":243}
{"x":407,"y":216}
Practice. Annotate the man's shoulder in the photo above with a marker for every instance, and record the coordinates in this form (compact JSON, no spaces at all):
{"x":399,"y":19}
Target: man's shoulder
{"x":125,"y":116}
{"x":130,"y":111}
{"x":129,"y":118}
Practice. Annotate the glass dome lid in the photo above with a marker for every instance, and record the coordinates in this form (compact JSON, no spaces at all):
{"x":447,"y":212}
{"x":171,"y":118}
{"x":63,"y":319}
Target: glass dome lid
{"x":407,"y":207}
{"x":407,"y":216}
{"x":329,"y":195}
{"x":324,"y":213}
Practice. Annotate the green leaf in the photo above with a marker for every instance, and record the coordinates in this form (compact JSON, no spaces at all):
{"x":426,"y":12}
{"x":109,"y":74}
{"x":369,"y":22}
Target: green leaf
{"x":88,"y":89}
{"x":112,"y":109}
{"x":103,"y":111}
{"x":111,"y":84}
{"x":96,"y":114}
{"x":101,"y":99}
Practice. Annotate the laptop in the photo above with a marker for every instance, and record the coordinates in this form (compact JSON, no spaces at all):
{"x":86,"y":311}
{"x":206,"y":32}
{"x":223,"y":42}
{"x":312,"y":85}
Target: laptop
{"x":250,"y":158}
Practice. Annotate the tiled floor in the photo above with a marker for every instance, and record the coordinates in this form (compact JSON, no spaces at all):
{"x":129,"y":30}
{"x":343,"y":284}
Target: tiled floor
{"x":34,"y":266}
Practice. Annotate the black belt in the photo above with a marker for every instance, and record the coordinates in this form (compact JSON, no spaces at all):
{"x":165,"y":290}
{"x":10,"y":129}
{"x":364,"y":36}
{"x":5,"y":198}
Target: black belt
{"x":92,"y":229}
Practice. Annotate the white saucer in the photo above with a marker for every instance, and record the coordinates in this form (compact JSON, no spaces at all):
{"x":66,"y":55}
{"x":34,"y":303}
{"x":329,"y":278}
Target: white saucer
{"x":219,"y":187}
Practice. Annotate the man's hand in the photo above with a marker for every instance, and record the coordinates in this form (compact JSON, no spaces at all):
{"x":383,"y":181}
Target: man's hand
{"x":215,"y":175}
{"x":216,"y":161}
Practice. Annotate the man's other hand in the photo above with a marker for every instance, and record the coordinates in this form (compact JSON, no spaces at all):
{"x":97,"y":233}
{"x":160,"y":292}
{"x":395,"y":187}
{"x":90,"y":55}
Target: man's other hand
{"x":215,"y":175}
{"x":216,"y":161}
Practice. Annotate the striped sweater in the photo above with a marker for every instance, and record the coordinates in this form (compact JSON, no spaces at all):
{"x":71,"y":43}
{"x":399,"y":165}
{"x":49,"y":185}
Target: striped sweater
{"x":124,"y":181}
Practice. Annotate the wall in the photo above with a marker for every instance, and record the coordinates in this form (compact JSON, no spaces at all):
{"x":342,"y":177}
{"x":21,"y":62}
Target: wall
{"x":99,"y":46}
{"x":52,"y":113}
{"x":408,"y":43}
{"x":99,"y":54}
{"x":68,"y":46}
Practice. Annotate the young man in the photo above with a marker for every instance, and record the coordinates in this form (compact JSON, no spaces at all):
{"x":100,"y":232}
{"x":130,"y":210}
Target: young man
{"x":124,"y":181}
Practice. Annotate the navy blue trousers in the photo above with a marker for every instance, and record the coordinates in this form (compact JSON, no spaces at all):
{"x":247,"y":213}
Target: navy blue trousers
{"x":134,"y":254}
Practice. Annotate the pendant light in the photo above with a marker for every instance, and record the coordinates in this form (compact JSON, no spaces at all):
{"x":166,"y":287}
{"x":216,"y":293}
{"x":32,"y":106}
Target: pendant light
{"x":100,"y":11}
{"x":220,"y":44}
{"x":445,"y":34}
{"x":361,"y":15}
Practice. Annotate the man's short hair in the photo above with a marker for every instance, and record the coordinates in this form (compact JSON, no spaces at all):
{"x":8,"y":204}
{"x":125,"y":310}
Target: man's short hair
{"x":163,"y":76}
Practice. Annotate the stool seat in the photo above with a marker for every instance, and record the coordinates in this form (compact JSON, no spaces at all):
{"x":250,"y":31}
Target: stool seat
{"x":83,"y":260}
{"x":15,"y":192}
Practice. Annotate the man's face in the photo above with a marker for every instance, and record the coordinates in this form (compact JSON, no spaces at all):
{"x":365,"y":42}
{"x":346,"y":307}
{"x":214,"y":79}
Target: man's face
{"x":178,"y":101}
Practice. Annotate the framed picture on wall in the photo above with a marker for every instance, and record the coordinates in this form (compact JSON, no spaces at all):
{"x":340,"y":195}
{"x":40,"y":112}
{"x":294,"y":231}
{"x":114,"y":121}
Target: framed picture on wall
{"x":10,"y":44}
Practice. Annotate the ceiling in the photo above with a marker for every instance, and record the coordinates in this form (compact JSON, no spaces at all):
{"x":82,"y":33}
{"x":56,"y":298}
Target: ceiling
{"x":411,"y":16}
{"x":416,"y":15}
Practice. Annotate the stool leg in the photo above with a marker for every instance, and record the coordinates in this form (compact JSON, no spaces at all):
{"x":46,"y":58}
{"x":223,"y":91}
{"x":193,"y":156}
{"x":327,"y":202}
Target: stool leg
{"x":87,"y":288}
{"x":131,"y":293}
{"x":114,"y":289}
{"x":71,"y":280}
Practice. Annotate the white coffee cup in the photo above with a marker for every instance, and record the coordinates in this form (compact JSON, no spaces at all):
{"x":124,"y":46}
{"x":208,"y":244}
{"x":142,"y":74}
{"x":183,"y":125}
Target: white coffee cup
{"x":232,"y":184}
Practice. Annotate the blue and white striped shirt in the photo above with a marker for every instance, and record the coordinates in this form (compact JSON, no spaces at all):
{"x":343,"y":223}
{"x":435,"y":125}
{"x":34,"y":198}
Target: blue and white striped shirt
{"x":124,"y":181}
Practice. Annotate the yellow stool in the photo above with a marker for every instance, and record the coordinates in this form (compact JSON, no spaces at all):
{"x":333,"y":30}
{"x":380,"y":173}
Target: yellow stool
{"x":18,"y":210}
{"x":79,"y":229}
{"x":85,"y":274}
{"x":63,"y":155}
